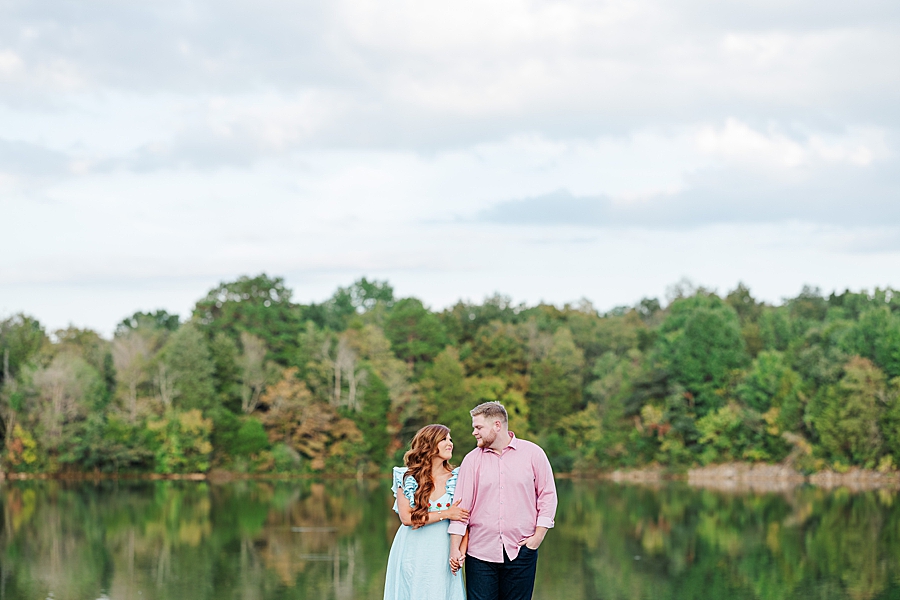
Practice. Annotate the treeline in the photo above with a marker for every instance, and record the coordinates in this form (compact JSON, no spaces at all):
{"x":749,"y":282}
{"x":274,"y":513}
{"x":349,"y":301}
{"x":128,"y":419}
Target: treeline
{"x":253,"y":382}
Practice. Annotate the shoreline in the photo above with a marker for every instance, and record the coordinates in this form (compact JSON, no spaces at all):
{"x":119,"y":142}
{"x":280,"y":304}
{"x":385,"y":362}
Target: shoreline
{"x":212,"y":477}
{"x":760,"y":477}
{"x":753,"y":477}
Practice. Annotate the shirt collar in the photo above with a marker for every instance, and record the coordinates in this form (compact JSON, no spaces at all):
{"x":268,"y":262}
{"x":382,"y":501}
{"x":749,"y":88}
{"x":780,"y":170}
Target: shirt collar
{"x":513,"y":443}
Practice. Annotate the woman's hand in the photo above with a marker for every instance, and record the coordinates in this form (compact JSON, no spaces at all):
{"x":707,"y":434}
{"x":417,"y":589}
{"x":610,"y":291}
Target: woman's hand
{"x":458,"y":555}
{"x":455,"y":513}
{"x":456,"y":564}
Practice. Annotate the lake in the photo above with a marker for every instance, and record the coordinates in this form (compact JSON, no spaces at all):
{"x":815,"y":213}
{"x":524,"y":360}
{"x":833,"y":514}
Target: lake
{"x":261,"y":540}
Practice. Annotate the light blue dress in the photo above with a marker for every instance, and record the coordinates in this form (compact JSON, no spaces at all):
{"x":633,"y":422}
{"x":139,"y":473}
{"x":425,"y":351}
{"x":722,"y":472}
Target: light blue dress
{"x":419,"y":563}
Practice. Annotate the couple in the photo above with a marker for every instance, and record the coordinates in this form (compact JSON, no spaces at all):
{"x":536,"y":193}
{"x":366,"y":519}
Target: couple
{"x":490,"y":514}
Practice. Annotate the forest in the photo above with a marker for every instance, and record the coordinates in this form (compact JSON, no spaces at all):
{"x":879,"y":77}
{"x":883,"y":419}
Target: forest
{"x":252,"y":382}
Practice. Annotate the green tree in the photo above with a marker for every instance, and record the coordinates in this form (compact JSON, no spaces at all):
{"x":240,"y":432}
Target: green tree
{"x":749,"y":311}
{"x":890,"y":422}
{"x":618,"y":334}
{"x":701,"y":343}
{"x":556,"y":383}
{"x":464,"y":320}
{"x":259,"y":305}
{"x":313,"y":360}
{"x":876,"y":336}
{"x":497,"y":349}
{"x":607,"y":395}
{"x":22,"y":339}
{"x":250,"y":439}
{"x":850,"y":304}
{"x":776,"y":330}
{"x":743,"y":303}
{"x":415,"y":333}
{"x":157,"y":320}
{"x":358,"y":298}
{"x":112,"y":444}
{"x":819,"y":355}
{"x":772,"y":384}
{"x":373,"y":347}
{"x":372,"y":419}
{"x":725,"y":434}
{"x":190,"y":368}
{"x":809,"y":305}
{"x":90,"y":346}
{"x":182,"y":441}
{"x":226,"y":373}
{"x":846,"y":416}
{"x":448,"y":399}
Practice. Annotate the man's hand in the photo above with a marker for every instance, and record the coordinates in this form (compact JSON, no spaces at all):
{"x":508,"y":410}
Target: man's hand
{"x":534,"y":542}
{"x":457,"y":558}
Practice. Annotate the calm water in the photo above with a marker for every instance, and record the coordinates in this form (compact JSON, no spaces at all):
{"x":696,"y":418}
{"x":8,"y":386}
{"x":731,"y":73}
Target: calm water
{"x":330,"y":540}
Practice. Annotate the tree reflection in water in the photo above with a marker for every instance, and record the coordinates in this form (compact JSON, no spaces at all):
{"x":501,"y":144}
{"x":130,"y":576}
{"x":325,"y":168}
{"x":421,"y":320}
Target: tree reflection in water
{"x":252,"y":540}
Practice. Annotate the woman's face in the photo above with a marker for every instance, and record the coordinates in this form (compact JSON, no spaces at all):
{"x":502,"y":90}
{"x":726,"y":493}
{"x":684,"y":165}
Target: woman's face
{"x":445,"y":448}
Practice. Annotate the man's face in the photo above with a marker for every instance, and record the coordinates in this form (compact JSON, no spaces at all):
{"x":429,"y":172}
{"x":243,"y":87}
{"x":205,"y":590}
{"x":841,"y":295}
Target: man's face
{"x":484,"y":431}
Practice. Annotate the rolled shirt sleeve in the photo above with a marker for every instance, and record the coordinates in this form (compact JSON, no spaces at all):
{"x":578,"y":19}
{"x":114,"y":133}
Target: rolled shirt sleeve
{"x":545,"y":490}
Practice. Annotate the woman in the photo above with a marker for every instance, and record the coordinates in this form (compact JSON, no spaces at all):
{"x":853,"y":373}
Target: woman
{"x":418,"y":566}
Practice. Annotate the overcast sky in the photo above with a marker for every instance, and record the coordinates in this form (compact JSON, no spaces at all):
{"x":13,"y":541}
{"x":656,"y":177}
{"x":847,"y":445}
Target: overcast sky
{"x":546,"y":150}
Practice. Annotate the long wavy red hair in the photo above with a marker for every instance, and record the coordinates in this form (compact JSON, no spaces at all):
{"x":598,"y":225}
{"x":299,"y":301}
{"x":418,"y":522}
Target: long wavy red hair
{"x":418,"y":460}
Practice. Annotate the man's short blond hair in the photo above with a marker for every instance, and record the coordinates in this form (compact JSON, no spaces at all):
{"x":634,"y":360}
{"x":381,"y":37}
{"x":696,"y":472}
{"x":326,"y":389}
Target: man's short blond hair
{"x":491,"y":411}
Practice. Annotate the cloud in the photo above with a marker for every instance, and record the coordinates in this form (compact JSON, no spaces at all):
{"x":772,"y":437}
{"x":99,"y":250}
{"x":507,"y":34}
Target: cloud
{"x":429,"y":76}
{"x":739,"y":143}
{"x":556,"y":208}
{"x":238,"y":131}
{"x":23,"y":160}
{"x":883,"y":240}
{"x":731,"y":173}
{"x":720,"y":197}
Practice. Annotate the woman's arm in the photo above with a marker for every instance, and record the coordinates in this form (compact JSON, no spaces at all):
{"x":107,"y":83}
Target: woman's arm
{"x":403,"y":507}
{"x":452,"y":513}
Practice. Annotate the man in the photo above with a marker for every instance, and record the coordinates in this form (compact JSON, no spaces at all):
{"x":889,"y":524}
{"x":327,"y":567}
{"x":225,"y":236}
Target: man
{"x":507,"y":486}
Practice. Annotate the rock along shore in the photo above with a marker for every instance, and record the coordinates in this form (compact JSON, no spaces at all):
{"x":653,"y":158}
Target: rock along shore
{"x":762,"y":477}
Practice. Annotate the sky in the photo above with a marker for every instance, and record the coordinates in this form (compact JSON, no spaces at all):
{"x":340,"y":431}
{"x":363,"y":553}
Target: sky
{"x":549,"y":151}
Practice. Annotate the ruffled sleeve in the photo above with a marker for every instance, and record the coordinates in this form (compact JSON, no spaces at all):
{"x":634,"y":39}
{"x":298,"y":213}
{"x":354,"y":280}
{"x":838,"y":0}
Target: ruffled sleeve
{"x":451,"y":483}
{"x":408,"y":484}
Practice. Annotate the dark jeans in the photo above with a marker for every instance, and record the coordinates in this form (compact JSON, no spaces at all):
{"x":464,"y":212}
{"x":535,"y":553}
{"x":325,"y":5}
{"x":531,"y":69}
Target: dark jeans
{"x":509,"y":580}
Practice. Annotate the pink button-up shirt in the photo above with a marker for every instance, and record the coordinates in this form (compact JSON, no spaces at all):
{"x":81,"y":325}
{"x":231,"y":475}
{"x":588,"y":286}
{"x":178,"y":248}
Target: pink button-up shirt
{"x":507,"y":496}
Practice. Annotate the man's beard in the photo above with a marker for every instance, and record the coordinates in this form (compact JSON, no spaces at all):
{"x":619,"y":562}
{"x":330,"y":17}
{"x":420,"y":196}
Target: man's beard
{"x":487,"y":440}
